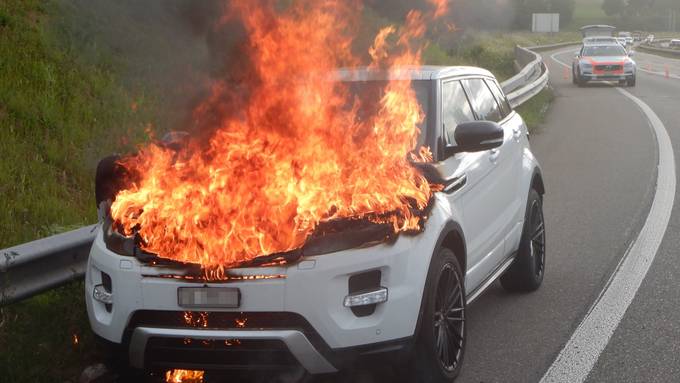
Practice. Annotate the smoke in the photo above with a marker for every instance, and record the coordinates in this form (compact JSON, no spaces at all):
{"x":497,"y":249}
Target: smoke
{"x":164,"y":51}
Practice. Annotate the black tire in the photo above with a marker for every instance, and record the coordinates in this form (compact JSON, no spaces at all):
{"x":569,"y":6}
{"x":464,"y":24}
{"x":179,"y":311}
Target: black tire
{"x":526,"y":272}
{"x":631,"y":82}
{"x":573,"y":76}
{"x":579,"y":81}
{"x":440,"y":345}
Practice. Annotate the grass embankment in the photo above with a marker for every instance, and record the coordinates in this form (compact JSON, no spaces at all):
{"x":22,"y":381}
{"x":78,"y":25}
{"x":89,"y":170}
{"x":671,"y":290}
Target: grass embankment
{"x":492,"y":51}
{"x":57,"y":117}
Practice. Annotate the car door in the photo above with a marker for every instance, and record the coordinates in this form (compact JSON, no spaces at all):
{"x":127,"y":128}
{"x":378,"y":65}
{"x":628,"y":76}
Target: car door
{"x":477,"y":192}
{"x":516,"y":136}
{"x":496,"y":191}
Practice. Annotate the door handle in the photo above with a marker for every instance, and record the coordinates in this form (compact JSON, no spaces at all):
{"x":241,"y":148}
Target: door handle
{"x":455,"y":184}
{"x":493,"y":155}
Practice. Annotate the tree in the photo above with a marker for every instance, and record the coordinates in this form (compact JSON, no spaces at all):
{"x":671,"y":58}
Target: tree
{"x":614,"y":7}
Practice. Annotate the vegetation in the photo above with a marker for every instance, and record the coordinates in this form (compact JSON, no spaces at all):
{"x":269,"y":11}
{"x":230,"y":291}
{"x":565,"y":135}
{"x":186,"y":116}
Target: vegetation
{"x":535,"y":110}
{"x":493,"y":51}
{"x":57,"y":117}
{"x":643,"y":14}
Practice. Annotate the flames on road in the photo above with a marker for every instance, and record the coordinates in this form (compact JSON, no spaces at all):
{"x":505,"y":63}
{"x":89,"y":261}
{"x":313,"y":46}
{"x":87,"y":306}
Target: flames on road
{"x":184,"y":376}
{"x":289,"y":149}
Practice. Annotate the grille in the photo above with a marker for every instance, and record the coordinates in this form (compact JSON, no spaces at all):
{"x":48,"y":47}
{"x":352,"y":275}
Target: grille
{"x":608,"y":67}
{"x":215,"y":352}
{"x":232,"y":354}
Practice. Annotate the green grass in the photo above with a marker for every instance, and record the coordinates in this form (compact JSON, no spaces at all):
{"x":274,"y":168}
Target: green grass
{"x":535,"y":110}
{"x":492,"y":51}
{"x":58,"y":116}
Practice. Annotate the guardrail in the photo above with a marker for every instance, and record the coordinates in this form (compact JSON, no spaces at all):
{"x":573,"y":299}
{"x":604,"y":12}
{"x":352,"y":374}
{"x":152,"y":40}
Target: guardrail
{"x":658,"y":50}
{"x":533,"y":77}
{"x":34,"y":267}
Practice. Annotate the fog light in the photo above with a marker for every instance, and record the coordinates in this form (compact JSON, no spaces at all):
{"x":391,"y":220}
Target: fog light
{"x":366,"y":298}
{"x":100,"y":294}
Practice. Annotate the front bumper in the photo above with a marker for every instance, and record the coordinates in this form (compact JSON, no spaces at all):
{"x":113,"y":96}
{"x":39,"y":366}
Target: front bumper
{"x":313,"y":288}
{"x":608,"y":76}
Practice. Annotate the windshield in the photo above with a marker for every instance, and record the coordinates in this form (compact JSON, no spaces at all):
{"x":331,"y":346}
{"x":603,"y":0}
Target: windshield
{"x":371,"y":90}
{"x":604,"y":50}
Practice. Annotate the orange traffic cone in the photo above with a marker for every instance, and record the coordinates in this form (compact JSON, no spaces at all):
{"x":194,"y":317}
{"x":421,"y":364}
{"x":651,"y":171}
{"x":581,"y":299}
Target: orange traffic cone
{"x":565,"y":74}
{"x":665,"y":67}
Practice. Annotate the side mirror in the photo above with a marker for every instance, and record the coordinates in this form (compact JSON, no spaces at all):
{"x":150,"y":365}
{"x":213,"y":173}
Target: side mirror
{"x":475,"y":136}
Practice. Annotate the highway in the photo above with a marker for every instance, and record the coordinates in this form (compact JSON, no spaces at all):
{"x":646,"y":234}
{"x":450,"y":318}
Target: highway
{"x":600,"y":158}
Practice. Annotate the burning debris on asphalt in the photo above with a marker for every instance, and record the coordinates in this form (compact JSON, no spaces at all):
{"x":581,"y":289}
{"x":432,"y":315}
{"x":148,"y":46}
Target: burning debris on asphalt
{"x":293,"y":158}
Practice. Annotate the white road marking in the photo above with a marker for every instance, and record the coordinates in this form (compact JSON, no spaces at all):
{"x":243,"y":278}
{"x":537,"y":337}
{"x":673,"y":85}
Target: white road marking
{"x":579,"y":355}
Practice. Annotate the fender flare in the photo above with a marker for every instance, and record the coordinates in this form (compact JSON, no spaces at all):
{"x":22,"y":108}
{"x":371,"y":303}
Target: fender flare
{"x":449,"y":227}
{"x":537,"y":181}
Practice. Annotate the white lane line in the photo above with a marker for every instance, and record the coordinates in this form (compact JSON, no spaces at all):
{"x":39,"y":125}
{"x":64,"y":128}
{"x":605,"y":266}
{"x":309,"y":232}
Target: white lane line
{"x":579,"y":355}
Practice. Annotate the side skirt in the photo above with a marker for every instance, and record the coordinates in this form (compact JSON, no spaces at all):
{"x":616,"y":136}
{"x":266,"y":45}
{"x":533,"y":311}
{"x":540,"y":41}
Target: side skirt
{"x":490,"y":279}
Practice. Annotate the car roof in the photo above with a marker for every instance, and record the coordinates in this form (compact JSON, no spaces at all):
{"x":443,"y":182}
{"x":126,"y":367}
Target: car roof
{"x":605,"y":45}
{"x":415,"y":72}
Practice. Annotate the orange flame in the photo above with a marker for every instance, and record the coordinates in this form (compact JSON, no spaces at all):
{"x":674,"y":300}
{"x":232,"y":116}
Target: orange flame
{"x":184,"y":376}
{"x":300,"y":150}
{"x":441,"y":7}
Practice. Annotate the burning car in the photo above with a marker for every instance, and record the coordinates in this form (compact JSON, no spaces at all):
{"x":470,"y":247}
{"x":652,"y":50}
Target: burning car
{"x":358,"y":288}
{"x":329,"y":217}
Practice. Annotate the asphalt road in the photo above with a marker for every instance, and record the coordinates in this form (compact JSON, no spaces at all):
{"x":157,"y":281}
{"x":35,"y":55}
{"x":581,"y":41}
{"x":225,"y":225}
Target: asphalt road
{"x":599,"y":157}
{"x":646,"y":345}
{"x":599,"y":160}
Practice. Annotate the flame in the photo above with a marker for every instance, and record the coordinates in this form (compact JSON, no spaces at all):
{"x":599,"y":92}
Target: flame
{"x":201,"y":320}
{"x":184,"y":376}
{"x":441,"y":7}
{"x":294,"y":151}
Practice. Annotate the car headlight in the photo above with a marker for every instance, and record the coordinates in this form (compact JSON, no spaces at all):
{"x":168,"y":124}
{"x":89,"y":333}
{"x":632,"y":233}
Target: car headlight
{"x":586,"y":65}
{"x":628,"y":66}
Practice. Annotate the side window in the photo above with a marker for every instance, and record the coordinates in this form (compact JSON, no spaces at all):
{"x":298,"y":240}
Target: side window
{"x":500,"y":97}
{"x":482,"y":100}
{"x":455,"y":108}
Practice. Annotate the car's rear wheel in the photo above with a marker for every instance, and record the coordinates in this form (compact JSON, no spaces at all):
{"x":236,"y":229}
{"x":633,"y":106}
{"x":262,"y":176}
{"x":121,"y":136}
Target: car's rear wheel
{"x":440,"y":346}
{"x":526,"y":272}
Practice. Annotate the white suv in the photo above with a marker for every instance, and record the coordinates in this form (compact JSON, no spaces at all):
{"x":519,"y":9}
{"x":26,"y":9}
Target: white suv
{"x":355,"y":296}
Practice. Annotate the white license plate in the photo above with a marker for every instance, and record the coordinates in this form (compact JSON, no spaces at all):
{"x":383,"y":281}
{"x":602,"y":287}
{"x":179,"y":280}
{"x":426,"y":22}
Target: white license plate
{"x":209,"y":297}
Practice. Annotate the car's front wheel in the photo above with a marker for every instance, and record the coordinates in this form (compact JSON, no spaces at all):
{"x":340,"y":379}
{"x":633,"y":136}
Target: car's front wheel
{"x":526,"y":272}
{"x":579,"y":80}
{"x":441,"y":341}
{"x":631,"y":81}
